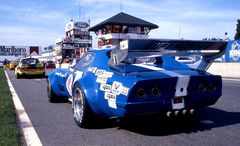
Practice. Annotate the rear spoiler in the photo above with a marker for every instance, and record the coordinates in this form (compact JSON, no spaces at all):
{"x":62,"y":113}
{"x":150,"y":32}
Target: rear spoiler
{"x":134,"y":48}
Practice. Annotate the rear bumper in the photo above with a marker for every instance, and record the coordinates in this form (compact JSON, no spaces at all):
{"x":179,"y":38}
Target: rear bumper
{"x":200,"y":91}
{"x":163,"y":106}
{"x":31,"y":72}
{"x":6,"y":67}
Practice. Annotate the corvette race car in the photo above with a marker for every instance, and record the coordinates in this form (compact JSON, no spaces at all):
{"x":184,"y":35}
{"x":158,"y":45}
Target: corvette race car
{"x":29,"y":66}
{"x":50,"y":64}
{"x":139,"y":77}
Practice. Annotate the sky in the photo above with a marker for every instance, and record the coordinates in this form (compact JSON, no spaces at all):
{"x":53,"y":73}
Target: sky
{"x":40,"y":22}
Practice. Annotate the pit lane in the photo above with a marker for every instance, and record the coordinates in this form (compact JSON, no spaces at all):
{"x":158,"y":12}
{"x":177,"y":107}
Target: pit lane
{"x":215,"y":125}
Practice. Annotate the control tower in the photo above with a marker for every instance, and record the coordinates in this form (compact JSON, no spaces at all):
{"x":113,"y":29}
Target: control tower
{"x":121,"y":26}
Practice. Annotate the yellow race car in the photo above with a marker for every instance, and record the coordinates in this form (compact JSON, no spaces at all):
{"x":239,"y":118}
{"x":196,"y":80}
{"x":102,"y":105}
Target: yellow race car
{"x":13,"y":65}
{"x":29,"y":66}
{"x":6,"y":66}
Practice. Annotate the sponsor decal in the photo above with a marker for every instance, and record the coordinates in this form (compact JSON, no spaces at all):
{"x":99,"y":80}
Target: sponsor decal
{"x":92,"y":69}
{"x":111,"y":99}
{"x":235,"y":51}
{"x":112,"y":104}
{"x":105,"y":87}
{"x":71,"y":69}
{"x":116,"y":87}
{"x":110,"y":96}
{"x":100,"y":72}
{"x":61,"y":74}
{"x":108,"y":74}
{"x":101,"y":79}
{"x":124,"y":90}
{"x":69,"y":84}
{"x":124,"y":45}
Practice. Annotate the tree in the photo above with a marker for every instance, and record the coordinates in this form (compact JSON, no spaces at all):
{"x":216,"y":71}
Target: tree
{"x":237,"y":36}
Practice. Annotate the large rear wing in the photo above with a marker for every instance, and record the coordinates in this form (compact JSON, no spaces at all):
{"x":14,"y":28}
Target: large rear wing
{"x":134,"y":48}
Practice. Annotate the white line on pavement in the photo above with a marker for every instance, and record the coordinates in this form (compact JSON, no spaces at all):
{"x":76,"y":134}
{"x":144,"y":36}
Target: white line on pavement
{"x":29,"y":132}
{"x":231,"y":79}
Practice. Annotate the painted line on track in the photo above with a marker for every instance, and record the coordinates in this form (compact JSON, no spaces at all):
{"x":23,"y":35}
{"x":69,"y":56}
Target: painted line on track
{"x":231,"y":79}
{"x":29,"y":132}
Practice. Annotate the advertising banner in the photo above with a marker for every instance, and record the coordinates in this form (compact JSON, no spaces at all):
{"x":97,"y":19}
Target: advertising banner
{"x":233,"y":51}
{"x":19,"y":50}
{"x":76,"y":26}
{"x":13,"y":50}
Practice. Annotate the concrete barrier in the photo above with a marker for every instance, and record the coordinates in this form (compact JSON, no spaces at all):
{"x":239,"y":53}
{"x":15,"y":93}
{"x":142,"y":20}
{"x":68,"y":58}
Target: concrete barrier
{"x":226,"y":69}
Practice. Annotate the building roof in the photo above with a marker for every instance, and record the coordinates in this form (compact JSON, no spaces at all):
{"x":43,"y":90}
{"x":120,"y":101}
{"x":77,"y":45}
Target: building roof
{"x":124,"y":19}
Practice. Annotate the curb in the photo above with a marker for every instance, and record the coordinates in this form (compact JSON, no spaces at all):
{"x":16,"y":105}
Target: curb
{"x":29,"y":133}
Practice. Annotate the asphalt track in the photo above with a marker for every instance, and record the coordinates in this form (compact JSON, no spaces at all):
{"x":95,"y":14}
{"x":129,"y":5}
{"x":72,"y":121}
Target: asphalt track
{"x":218,"y":125}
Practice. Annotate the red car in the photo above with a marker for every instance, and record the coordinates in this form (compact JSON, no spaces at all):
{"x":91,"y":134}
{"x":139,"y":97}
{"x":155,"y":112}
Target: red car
{"x":50,"y":64}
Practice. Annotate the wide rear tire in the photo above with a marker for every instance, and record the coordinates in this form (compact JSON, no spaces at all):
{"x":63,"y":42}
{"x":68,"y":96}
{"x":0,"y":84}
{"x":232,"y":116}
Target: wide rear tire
{"x":82,"y":112}
{"x":51,"y":95}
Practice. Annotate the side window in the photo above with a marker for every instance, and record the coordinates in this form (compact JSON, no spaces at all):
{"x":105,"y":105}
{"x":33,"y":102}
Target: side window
{"x":85,"y":62}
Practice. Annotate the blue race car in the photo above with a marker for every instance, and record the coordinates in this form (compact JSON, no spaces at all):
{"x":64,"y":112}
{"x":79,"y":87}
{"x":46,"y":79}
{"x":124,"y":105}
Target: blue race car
{"x":141,"y":76}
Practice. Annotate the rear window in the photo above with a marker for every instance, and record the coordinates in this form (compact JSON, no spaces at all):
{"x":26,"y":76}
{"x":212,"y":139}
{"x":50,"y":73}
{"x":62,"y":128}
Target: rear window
{"x":30,"y":61}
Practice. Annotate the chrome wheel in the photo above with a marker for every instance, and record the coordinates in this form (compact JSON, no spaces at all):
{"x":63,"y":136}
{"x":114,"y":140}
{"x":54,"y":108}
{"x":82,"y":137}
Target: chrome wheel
{"x":78,"y":105}
{"x":82,"y":112}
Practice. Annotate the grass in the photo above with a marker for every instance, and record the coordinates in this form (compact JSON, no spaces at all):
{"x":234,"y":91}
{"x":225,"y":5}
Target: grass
{"x":9,"y":133}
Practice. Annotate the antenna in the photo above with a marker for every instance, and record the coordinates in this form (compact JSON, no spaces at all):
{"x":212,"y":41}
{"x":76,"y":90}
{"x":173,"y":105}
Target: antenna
{"x":79,"y":9}
{"x":121,"y":7}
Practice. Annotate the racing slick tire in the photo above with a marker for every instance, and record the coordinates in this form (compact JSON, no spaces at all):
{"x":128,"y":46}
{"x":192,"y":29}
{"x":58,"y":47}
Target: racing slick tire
{"x":43,"y":75}
{"x":82,"y":112}
{"x":51,"y":95}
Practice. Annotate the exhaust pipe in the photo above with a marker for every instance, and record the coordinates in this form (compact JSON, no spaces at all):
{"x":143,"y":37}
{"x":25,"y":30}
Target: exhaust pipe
{"x":192,"y":111}
{"x":177,"y":113}
{"x":169,"y":114}
{"x":184,"y":112}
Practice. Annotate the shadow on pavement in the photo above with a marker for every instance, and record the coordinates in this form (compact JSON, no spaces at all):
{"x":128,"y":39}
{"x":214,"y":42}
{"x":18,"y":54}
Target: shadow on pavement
{"x":205,"y":119}
{"x":32,"y":77}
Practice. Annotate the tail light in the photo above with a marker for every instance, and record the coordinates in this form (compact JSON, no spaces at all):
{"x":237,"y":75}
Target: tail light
{"x":212,"y":87}
{"x":155,"y":91}
{"x":202,"y":87}
{"x":141,"y":93}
